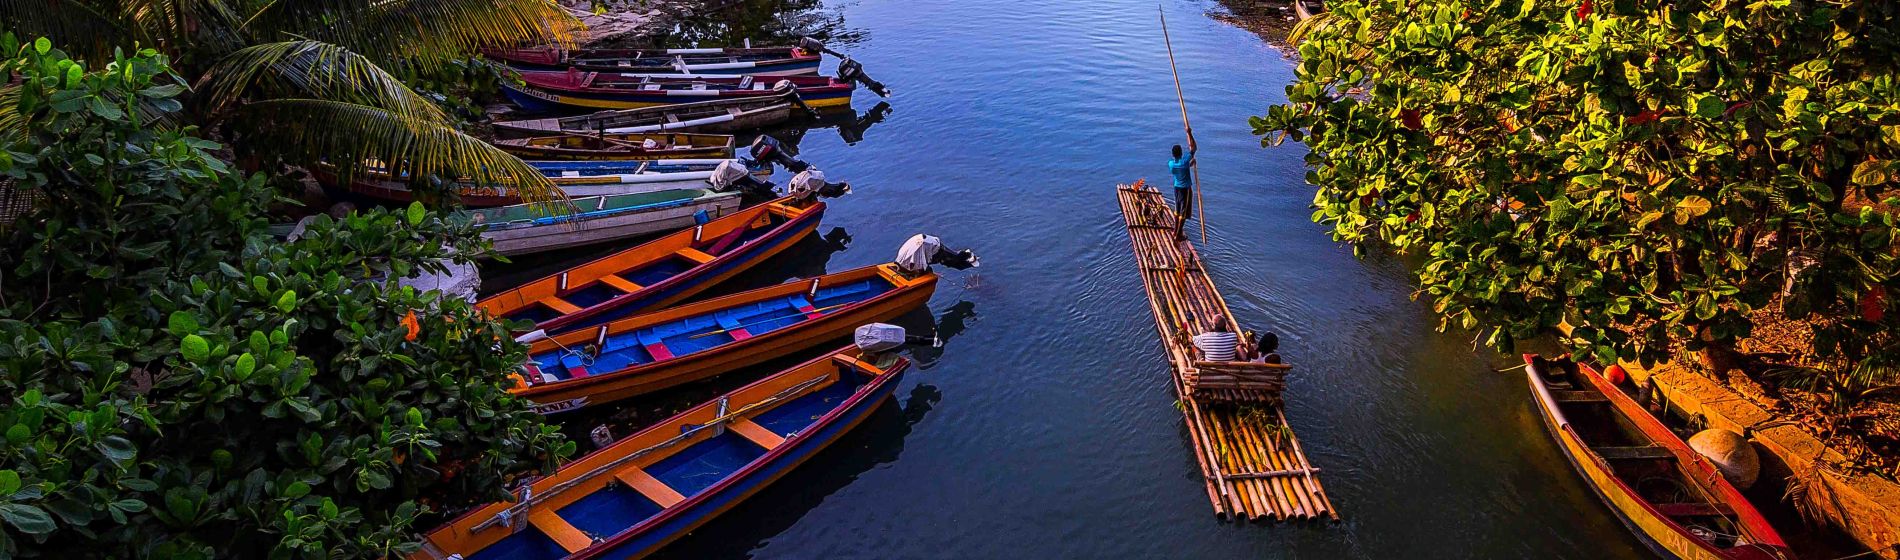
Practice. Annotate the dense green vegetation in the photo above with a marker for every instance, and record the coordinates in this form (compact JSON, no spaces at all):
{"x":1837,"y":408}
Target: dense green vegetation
{"x":1662,"y":175}
{"x":315,"y":81}
{"x":180,"y":384}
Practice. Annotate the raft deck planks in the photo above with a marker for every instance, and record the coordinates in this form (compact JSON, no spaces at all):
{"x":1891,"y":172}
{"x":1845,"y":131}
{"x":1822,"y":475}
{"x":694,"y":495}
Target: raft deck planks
{"x":1252,"y":464}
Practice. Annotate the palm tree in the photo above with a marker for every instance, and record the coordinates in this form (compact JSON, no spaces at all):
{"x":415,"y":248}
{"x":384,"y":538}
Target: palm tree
{"x":305,"y":79}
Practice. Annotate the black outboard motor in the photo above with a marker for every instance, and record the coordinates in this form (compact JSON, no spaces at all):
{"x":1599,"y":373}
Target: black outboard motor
{"x":851,"y":71}
{"x":767,"y":149}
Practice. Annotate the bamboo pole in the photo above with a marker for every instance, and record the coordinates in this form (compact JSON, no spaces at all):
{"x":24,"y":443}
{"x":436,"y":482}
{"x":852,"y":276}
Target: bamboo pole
{"x":1194,"y":163}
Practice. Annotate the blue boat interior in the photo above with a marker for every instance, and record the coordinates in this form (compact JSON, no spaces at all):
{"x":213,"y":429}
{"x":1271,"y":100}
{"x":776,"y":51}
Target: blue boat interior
{"x":699,"y":333}
{"x":689,"y":471}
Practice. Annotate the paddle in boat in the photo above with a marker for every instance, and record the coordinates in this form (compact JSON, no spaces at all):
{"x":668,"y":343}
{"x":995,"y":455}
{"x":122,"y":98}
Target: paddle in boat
{"x":663,"y":271}
{"x":640,"y":493}
{"x":717,"y":116}
{"x":1672,"y":498}
{"x":634,"y":145}
{"x":575,"y":178}
{"x":645,"y":353}
{"x":760,"y":61}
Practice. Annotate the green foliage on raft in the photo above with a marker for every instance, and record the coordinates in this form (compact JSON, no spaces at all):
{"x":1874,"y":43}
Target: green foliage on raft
{"x":180,"y":384}
{"x":1649,"y":171}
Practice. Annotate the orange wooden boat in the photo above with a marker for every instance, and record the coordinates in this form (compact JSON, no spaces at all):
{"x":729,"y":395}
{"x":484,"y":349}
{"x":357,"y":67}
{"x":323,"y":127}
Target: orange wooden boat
{"x":645,"y":353}
{"x":640,"y":493}
{"x":662,"y":272}
{"x":1675,"y":501}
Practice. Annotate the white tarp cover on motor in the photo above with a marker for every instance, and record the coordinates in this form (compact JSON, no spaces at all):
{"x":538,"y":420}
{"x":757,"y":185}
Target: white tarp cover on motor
{"x":878,"y":337}
{"x":806,"y":183}
{"x":728,"y":172}
{"x":915,"y":255}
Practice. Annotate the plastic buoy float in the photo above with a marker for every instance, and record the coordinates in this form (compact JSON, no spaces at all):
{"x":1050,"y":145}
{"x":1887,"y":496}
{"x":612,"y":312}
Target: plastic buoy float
{"x":1615,"y":374}
{"x":1730,"y":453}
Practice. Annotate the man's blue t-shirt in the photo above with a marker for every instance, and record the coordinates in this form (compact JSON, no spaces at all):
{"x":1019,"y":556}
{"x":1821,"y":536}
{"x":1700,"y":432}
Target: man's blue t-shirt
{"x":1181,"y":168}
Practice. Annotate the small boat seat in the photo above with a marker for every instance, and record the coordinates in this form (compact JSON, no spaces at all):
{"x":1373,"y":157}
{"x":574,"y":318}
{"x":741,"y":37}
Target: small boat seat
{"x":750,"y":430}
{"x":638,"y":479}
{"x":559,"y":530}
{"x":1633,"y":453}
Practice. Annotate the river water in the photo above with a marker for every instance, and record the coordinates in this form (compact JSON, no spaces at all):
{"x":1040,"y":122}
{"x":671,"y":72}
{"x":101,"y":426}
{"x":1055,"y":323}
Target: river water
{"x":1046,"y":427}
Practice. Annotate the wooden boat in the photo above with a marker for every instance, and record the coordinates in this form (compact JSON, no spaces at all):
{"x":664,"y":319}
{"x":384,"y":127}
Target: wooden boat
{"x":520,"y":229}
{"x":761,"y":61}
{"x":599,"y":146}
{"x":1675,"y":501}
{"x":724,"y":115}
{"x":640,"y":493}
{"x":646,"y":353}
{"x":661,"y":272}
{"x":561,"y":91}
{"x":576,"y":178}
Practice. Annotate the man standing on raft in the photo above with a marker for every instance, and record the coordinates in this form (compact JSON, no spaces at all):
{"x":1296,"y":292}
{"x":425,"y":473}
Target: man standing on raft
{"x":1182,"y":167}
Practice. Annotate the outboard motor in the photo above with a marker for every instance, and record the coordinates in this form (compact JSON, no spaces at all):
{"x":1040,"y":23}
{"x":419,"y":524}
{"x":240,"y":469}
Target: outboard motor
{"x":921,"y":251}
{"x":877,"y":338}
{"x":734,"y":176}
{"x":812,"y":182}
{"x":851,"y":71}
{"x":766,"y":149}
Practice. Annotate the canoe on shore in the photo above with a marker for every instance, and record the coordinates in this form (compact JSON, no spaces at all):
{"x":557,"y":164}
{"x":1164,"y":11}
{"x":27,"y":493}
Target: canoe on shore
{"x":761,"y":61}
{"x":719,"y":116}
{"x":640,"y":493}
{"x":638,"y":145}
{"x":575,"y":90}
{"x":1672,"y":498}
{"x":645,"y":353}
{"x":520,"y":229}
{"x":575,"y":178}
{"x":660,"y":272}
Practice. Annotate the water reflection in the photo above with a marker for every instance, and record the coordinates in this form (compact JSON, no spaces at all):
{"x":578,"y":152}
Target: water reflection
{"x":764,"y":22}
{"x":878,"y":441}
{"x":940,"y":329}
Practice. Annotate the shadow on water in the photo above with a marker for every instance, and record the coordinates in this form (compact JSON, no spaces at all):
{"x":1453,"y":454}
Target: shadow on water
{"x":878,"y":441}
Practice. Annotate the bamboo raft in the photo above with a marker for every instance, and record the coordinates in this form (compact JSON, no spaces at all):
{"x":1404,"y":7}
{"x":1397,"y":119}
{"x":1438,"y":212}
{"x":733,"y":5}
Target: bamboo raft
{"x":1253,"y":466}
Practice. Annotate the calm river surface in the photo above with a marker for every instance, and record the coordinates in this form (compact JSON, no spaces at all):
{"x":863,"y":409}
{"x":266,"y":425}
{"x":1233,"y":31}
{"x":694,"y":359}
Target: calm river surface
{"x":1046,"y":428}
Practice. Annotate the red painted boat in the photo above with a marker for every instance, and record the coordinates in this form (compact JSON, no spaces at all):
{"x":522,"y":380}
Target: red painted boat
{"x":1672,"y":498}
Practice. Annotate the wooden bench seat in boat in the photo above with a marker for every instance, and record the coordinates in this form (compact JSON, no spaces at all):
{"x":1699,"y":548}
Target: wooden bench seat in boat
{"x":695,"y":255}
{"x":638,"y":479}
{"x":559,"y":530}
{"x":748,"y":429}
{"x":1633,"y":452}
{"x":620,"y":283}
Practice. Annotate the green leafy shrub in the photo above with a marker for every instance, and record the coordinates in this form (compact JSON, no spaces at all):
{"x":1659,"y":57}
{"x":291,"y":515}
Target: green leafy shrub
{"x":1650,"y":172}
{"x":181,"y":384}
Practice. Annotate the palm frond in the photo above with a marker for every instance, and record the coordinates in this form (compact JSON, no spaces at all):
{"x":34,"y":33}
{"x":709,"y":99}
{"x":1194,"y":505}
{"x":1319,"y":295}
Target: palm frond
{"x":418,"y":31}
{"x":310,"y":69}
{"x":87,"y":29}
{"x":13,"y":125}
{"x":345,"y":135}
{"x":179,"y":25}
{"x":1308,"y":26}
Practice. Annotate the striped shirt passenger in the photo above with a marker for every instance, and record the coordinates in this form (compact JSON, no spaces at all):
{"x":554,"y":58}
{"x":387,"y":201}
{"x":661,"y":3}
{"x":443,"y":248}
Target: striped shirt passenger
{"x":1217,"y":345}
